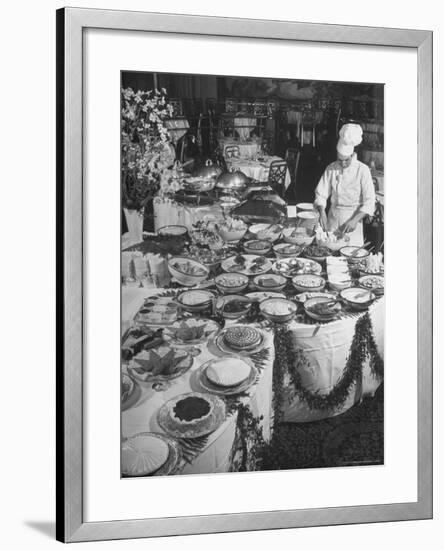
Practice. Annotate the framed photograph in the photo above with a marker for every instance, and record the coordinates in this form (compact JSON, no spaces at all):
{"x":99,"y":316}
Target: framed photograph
{"x":244,"y":274}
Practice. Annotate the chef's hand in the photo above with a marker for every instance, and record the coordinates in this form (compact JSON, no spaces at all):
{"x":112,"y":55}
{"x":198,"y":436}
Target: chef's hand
{"x":349,"y":226}
{"x":323,"y":218}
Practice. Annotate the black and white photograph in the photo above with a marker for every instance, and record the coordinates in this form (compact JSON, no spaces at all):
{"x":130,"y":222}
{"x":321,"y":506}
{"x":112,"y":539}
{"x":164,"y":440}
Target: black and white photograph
{"x":252,"y":274}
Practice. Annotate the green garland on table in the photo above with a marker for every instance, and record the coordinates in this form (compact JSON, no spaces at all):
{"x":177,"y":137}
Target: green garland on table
{"x":289,"y":360}
{"x":249,"y":444}
{"x":192,"y":447}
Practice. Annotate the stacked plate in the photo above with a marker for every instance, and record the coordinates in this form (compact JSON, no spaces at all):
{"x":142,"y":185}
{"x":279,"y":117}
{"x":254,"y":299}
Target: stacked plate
{"x":195,"y":300}
{"x":227,"y":376}
{"x":149,"y":454}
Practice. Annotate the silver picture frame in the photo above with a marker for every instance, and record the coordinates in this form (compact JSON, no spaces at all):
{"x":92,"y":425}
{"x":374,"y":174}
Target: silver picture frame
{"x":71,"y":24}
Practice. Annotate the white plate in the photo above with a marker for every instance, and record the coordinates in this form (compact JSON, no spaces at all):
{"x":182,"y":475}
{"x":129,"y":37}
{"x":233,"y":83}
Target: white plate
{"x":143,"y":454}
{"x":219,"y":390}
{"x":227,"y":372}
{"x":220,"y":343}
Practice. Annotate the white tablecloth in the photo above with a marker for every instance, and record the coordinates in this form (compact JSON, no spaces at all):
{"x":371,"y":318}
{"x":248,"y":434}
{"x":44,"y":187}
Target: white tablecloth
{"x":168,"y":212}
{"x":247,"y":149}
{"x":256,"y":169}
{"x":244,"y":126}
{"x":327,"y":349}
{"x":142,"y":416}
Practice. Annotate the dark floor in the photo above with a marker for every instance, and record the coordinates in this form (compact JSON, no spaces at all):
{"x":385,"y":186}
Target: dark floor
{"x":355,"y":438}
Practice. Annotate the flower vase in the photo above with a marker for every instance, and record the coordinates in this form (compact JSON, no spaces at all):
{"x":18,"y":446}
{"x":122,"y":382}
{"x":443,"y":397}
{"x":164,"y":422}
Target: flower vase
{"x":134,"y":222}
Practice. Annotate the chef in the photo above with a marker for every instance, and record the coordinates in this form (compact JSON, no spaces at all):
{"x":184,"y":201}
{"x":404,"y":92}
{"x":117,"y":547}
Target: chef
{"x":349,"y":185}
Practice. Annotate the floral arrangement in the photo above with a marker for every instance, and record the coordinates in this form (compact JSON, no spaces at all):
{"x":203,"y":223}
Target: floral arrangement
{"x":146,"y":150}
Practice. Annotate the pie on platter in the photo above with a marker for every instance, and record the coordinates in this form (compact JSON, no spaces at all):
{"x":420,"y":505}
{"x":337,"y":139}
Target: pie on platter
{"x":240,"y":339}
{"x":213,"y":369}
{"x":147,"y":454}
{"x":192,"y":415}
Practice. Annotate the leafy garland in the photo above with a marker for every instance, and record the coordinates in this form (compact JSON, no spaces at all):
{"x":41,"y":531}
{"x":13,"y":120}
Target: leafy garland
{"x":249,"y":444}
{"x":192,"y":447}
{"x":289,"y":360}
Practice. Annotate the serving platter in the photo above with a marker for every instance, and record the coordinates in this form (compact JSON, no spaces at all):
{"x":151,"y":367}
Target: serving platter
{"x":225,"y":348}
{"x":137,"y":443}
{"x":229,"y":265}
{"x":211,"y":387}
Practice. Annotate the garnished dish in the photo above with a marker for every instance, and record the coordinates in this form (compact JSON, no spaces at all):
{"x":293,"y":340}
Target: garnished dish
{"x":227,"y":376}
{"x":287,"y":250}
{"x":239,"y":339}
{"x":205,"y":234}
{"x":127,"y":388}
{"x":233,"y":306}
{"x":339,"y":281}
{"x":304,"y":296}
{"x":261,"y":296}
{"x":195,"y":300}
{"x":164,"y":363}
{"x":157,"y":310}
{"x":231,"y":283}
{"x":265,"y":231}
{"x":186,"y":271}
{"x":247,"y":264}
{"x":257,"y":246}
{"x":375,"y":283}
{"x":372,"y":265}
{"x":278,"y":310}
{"x":354,"y":254}
{"x":190,"y":331}
{"x":322,"y":308}
{"x":316,"y":252}
{"x":298,"y":235}
{"x":192,"y":415}
{"x":302,"y":283}
{"x":232,"y":230}
{"x":357,"y":298}
{"x":270,"y":281}
{"x":207,"y":256}
{"x":296,"y":266}
{"x":172,"y":231}
{"x":149,"y":454}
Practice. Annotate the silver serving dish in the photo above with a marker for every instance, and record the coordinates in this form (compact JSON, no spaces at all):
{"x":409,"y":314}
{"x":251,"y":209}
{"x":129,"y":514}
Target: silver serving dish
{"x":210,"y":170}
{"x":234,"y":180}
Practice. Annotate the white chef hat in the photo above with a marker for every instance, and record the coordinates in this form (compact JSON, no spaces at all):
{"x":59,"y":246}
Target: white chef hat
{"x":350,"y":135}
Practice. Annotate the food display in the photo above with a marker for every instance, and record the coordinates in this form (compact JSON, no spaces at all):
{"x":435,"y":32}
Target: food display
{"x":247,"y":264}
{"x":270,"y":281}
{"x":317,"y":252}
{"x":192,"y":415}
{"x":304,"y":282}
{"x":227,"y":372}
{"x":266,"y":232}
{"x":333,"y":240}
{"x":322,"y":308}
{"x":136,"y":339}
{"x":354,"y":254}
{"x":298,"y":235}
{"x":242,"y":337}
{"x":257,"y":246}
{"x":127,"y":387}
{"x":278,"y":310}
{"x":375,"y":283}
{"x":261,"y":296}
{"x":172,"y":231}
{"x":162,"y":363}
{"x":287,"y":250}
{"x":233,"y":306}
{"x":144,"y":454}
{"x":231,"y":283}
{"x":186,"y":271}
{"x":195,"y":300}
{"x":157,"y":310}
{"x":207,"y":256}
{"x":296,"y":266}
{"x":190,"y":331}
{"x":231,"y":229}
{"x":357,"y":298}
{"x":372,"y":265}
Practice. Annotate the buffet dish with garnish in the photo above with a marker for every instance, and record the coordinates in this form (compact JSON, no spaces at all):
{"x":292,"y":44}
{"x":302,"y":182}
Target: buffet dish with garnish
{"x":202,"y":342}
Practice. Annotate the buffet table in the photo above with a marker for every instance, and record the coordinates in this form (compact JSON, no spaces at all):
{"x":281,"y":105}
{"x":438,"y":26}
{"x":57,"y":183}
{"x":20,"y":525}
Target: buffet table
{"x":142,"y":415}
{"x":170,"y":212}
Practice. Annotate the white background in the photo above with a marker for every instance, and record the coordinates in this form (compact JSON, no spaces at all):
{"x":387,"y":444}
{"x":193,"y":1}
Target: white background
{"x":107,"y":52}
{"x":28,"y":164}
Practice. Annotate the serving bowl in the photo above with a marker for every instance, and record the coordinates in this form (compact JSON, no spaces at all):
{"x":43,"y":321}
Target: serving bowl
{"x":172,"y":231}
{"x":339,"y":281}
{"x":317,"y":253}
{"x":232,"y":234}
{"x":195,"y":300}
{"x":278,"y":310}
{"x":298,"y":235}
{"x":308,"y":283}
{"x":231,"y":283}
{"x":287,"y":250}
{"x":317,"y":316}
{"x":233,"y":306}
{"x":186,"y":271}
{"x":357,"y":298}
{"x":265,"y":231}
{"x":270,"y":281}
{"x":374,"y":283}
{"x":257,"y":246}
{"x":354,"y":254}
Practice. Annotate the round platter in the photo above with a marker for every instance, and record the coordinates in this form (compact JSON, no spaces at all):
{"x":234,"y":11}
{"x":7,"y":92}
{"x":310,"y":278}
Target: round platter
{"x":229,"y":265}
{"x":197,"y":427}
{"x":136,"y":444}
{"x":290,"y":267}
{"x":225,"y":348}
{"x":210,"y":387}
{"x":137,"y":371}
{"x":260,"y":296}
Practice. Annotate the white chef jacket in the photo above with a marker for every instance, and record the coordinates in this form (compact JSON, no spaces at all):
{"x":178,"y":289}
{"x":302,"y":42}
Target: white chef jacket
{"x":350,"y":189}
